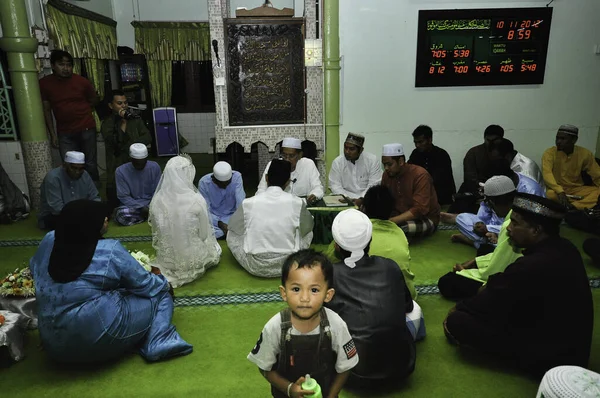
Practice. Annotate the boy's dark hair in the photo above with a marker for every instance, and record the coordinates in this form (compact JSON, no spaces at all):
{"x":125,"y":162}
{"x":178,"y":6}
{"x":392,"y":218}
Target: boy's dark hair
{"x":503,"y":147}
{"x":279,"y":172}
{"x":308,"y":258}
{"x":494,"y":129}
{"x":57,"y":55}
{"x":423,"y":130}
{"x":378,"y":202}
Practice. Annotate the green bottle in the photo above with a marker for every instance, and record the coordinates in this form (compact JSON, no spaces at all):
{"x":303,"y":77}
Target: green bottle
{"x":312,"y":385}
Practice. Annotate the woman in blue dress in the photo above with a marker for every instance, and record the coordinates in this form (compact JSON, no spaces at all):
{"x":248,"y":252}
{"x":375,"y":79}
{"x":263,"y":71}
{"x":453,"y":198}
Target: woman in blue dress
{"x":95,"y":302}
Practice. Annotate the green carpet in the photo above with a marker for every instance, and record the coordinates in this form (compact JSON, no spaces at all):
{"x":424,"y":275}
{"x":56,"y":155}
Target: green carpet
{"x":222,"y":336}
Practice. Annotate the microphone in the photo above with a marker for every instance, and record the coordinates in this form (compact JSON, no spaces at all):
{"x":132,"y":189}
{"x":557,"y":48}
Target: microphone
{"x":215,"y":45}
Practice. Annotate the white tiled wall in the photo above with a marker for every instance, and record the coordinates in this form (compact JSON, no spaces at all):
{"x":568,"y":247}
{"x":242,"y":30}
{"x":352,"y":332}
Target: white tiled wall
{"x":198,"y":129}
{"x":11,"y":157}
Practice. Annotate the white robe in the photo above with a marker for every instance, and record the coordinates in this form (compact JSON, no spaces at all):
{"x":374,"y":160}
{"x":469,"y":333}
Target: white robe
{"x":523,"y":165}
{"x":305,"y":180}
{"x":266,"y":229}
{"x":354,"y":179}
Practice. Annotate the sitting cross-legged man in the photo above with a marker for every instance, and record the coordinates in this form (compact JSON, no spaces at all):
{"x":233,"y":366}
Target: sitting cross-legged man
{"x":136,"y":184}
{"x":62,"y":185}
{"x":270,"y":226}
{"x":362,"y":284}
{"x":520,"y":314}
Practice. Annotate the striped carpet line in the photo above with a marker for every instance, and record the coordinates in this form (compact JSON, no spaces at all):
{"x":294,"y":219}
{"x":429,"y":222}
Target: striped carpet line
{"x":272,"y":297}
{"x":36,"y":242}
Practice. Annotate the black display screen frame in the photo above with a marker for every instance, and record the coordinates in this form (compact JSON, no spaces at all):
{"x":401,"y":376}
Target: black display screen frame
{"x":426,"y":38}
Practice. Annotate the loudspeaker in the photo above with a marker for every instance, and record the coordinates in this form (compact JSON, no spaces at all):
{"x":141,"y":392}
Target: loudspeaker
{"x":165,"y":129}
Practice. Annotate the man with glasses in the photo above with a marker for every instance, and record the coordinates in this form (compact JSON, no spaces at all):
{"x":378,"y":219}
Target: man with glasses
{"x":305,"y":180}
{"x":62,"y":185}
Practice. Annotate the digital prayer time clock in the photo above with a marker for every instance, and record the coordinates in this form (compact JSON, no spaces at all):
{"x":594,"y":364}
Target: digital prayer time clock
{"x":479,"y":47}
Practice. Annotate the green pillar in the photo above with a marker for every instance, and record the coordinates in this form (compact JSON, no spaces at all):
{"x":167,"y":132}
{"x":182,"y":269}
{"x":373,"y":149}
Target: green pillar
{"x":20,"y":47}
{"x":331,"y":55}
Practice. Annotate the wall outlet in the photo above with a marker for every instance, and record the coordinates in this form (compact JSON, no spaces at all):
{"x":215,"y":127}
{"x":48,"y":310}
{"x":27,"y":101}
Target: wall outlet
{"x":17,"y":156}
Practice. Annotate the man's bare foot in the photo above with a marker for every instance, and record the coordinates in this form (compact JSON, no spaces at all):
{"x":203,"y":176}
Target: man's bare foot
{"x":460,"y":238}
{"x":448,"y":218}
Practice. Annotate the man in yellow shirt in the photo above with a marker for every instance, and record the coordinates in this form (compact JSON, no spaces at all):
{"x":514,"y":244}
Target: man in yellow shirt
{"x":562,"y":166}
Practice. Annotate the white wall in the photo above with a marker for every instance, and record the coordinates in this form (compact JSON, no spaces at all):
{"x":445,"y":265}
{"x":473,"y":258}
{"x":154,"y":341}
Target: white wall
{"x":379,"y":97}
{"x":102,"y":7}
{"x":296,"y":5}
{"x":126,"y":11}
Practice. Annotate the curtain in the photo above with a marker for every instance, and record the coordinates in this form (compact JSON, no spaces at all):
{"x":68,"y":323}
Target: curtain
{"x":161,"y":77}
{"x":173,"y":41}
{"x":95,"y":74}
{"x":80,"y":36}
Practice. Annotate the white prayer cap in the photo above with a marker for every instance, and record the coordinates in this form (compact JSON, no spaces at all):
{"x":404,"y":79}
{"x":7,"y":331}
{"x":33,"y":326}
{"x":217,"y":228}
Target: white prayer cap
{"x":352,"y":232}
{"x":497,"y":186}
{"x":293,"y":143}
{"x":74,"y":157}
{"x":138,"y":151}
{"x":222,"y":171}
{"x":392,"y":150}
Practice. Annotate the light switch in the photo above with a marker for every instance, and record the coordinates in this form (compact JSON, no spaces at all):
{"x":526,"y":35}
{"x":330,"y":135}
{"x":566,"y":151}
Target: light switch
{"x":220,"y":81}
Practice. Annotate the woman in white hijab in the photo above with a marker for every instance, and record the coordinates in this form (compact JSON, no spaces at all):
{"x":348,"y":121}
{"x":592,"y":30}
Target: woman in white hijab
{"x":182,"y":235}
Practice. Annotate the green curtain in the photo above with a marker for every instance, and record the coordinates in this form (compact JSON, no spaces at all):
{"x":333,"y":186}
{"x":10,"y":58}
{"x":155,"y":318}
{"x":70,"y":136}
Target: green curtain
{"x":161,"y":79}
{"x":77,"y":66}
{"x":173,"y":41}
{"x":81,"y":37}
{"x":95,"y":74}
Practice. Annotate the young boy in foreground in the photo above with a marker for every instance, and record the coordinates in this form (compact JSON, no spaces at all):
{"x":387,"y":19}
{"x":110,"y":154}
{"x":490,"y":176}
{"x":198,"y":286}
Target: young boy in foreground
{"x":305,"y":338}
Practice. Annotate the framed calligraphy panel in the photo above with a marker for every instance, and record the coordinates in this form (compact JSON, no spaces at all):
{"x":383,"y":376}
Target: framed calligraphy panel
{"x":265,"y":69}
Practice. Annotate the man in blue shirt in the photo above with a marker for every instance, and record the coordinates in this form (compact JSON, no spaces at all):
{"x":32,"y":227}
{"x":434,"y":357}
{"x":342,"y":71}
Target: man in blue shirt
{"x":62,"y":185}
{"x":136,"y":182}
{"x":223,"y":190}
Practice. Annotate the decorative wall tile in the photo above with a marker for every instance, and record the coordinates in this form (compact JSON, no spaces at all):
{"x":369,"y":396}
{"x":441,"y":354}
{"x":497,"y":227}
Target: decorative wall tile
{"x":38,"y":163}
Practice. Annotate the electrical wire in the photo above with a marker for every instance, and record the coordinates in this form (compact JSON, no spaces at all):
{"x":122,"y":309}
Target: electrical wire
{"x":551,"y":1}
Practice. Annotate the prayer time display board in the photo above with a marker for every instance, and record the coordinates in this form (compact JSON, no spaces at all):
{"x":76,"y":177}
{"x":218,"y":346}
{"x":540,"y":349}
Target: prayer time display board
{"x":482,"y":46}
{"x":265,"y":71}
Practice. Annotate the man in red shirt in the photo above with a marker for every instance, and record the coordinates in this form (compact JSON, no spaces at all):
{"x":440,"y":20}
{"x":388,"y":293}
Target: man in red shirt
{"x":71,"y":98}
{"x":416,"y":208}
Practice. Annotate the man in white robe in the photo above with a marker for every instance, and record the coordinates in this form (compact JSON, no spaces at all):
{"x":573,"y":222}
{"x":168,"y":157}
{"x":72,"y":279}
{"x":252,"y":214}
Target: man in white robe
{"x":354,"y":172}
{"x":270,"y":226}
{"x":305,"y":179}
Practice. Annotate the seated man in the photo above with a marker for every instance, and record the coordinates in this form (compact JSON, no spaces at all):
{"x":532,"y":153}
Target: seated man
{"x":62,"y":185}
{"x":562,"y":166}
{"x":416,"y":209}
{"x":305,"y":178}
{"x":476,"y":167}
{"x":119,"y":132}
{"x":436,"y":161}
{"x":521,"y":313}
{"x":504,"y":149}
{"x":136,"y":184}
{"x":484,"y":227}
{"x":270,"y":226}
{"x":362,"y":284}
{"x":355,"y":171}
{"x":466,"y":279}
{"x":223,"y":190}
{"x":388,"y":240}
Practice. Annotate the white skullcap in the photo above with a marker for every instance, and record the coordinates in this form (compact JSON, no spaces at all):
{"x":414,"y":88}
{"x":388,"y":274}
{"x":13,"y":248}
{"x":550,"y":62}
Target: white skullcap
{"x":138,"y":151}
{"x":74,"y":157}
{"x":392,"y":150}
{"x":498,"y":185}
{"x":222,"y":171}
{"x":293,"y":143}
{"x":352,"y":231}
